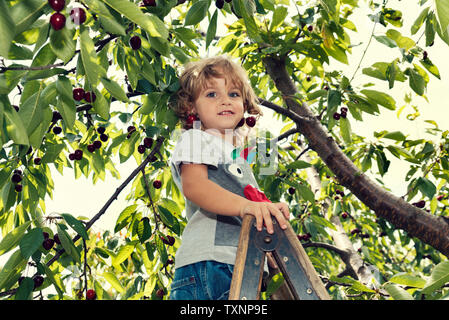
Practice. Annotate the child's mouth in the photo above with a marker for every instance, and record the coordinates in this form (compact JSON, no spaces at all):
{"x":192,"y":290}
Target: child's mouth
{"x":226,"y":113}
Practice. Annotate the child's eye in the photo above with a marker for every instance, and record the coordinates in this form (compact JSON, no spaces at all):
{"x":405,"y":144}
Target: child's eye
{"x":211,"y":94}
{"x":234,"y":94}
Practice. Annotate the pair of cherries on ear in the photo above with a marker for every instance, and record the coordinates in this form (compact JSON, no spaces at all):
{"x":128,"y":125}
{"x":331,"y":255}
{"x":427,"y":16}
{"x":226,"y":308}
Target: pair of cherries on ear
{"x":250,"y":121}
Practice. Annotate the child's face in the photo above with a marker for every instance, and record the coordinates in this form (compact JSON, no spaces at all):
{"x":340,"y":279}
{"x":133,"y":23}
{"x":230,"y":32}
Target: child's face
{"x":218,"y":96}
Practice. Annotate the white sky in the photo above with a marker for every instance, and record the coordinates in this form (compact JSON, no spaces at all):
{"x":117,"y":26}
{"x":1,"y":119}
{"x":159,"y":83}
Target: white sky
{"x":81,"y":197}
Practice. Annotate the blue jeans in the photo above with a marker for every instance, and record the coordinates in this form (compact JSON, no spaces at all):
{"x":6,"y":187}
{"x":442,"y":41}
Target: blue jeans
{"x":204,"y":280}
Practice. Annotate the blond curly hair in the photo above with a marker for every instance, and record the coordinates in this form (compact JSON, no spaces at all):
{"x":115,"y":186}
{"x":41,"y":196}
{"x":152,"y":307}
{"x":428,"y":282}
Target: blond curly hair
{"x":195,"y":76}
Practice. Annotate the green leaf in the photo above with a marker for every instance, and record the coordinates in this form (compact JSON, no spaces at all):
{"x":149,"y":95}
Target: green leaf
{"x":416,"y":81}
{"x":123,"y":253}
{"x":76,"y":225}
{"x":12,"y":239}
{"x":161,"y":250}
{"x":144,"y":230}
{"x":430,"y":67}
{"x":161,"y":45}
{"x":25,"y":290}
{"x":67,"y":244}
{"x":279,"y":15}
{"x":298,"y":164}
{"x":31,"y":110}
{"x":382,"y":163}
{"x":59,"y":286}
{"x":252,"y":29}
{"x":408,"y":280}
{"x":125,"y":217}
{"x":128,"y":147}
{"x":442,"y":7}
{"x":14,"y":124}
{"x":419,"y":21}
{"x":62,"y":43}
{"x":25,"y":12}
{"x":390,"y":73}
{"x":15,"y":264}
{"x":114,"y":281}
{"x":149,"y":22}
{"x":397,"y":293}
{"x":426,"y":186}
{"x":211,"y":29}
{"x":395,"y":135}
{"x":438,"y":277}
{"x":333,"y":100}
{"x":306,"y":193}
{"x":101,"y":105}
{"x":166,"y":216}
{"x":345,"y":130}
{"x":114,"y":89}
{"x":381,"y":98}
{"x":107,"y":20}
{"x":66,"y":104}
{"x":91,"y":62}
{"x":402,"y":42}
{"x":8,"y":28}
{"x":30,"y":242}
{"x":386,"y":41}
{"x":197,"y":12}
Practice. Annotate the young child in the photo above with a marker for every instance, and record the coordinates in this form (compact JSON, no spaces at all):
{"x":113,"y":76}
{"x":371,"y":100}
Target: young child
{"x":219,"y":191}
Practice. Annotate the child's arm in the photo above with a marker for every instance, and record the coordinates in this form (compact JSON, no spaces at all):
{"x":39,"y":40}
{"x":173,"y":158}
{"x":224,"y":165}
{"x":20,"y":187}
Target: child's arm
{"x":212,"y":197}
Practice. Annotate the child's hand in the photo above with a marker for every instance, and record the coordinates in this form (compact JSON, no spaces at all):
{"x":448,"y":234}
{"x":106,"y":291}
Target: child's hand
{"x":263,"y":211}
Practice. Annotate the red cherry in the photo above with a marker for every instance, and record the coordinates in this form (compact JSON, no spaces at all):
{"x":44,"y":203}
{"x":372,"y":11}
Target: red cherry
{"x":147,"y":142}
{"x":90,"y":96}
{"x":157,"y":184}
{"x":91,"y":295}
{"x":241,"y":123}
{"x":57,"y":5}
{"x":97,"y":144}
{"x":101,"y":130}
{"x":57,"y":130}
{"x":160,"y":293}
{"x":78,"y":154}
{"x":78,"y":16}
{"x":78,"y":94}
{"x":56,"y":238}
{"x":135,"y":42}
{"x":141,"y":149}
{"x":91,"y":148}
{"x":37,"y":161}
{"x":250,"y":121}
{"x":190,"y":119}
{"x":57,"y":21}
{"x":48,"y":243}
{"x":336,"y":116}
{"x":149,"y":3}
{"x":38,"y":281}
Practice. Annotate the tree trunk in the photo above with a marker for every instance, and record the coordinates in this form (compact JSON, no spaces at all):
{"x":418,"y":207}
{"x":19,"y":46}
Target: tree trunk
{"x":417,"y":223}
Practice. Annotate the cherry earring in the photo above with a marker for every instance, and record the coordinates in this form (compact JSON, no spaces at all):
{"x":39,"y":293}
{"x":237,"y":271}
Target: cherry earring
{"x":250,"y":121}
{"x":241,"y":123}
{"x":191,"y":118}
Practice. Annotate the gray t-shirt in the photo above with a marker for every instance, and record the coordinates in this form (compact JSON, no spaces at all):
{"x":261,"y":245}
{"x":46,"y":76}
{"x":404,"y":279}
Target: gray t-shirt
{"x":210,"y":236}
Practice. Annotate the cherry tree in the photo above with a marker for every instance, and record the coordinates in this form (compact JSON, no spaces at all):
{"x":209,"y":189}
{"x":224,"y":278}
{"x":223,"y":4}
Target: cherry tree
{"x":86,"y":84}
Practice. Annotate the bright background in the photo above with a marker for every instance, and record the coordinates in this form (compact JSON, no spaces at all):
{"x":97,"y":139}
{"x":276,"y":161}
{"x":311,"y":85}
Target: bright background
{"x":82,"y":197}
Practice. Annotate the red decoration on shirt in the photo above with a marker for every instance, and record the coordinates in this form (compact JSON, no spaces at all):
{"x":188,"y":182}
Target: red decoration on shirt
{"x":254,"y":194}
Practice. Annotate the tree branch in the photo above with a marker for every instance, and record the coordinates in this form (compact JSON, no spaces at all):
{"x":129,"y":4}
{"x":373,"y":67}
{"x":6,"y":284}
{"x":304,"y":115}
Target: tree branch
{"x":114,"y":196}
{"x":430,"y":229}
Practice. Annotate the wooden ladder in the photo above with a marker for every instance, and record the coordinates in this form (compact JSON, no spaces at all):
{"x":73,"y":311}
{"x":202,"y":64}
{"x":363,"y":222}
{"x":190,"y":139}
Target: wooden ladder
{"x":301,"y":279}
